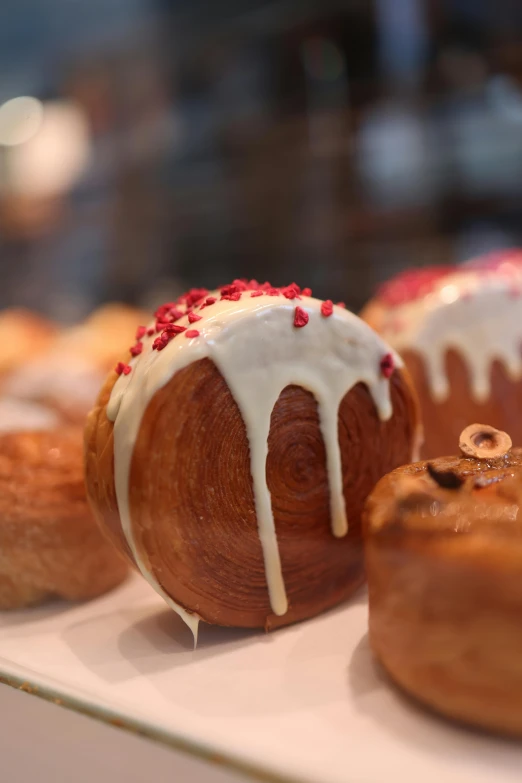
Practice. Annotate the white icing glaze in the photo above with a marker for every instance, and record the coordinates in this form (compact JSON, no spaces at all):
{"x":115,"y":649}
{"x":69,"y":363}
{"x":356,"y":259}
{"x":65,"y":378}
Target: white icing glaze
{"x":259,"y":352}
{"x":477,"y":312}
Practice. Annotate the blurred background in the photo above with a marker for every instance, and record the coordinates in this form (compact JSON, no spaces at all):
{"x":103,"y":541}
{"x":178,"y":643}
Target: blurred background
{"x":147,"y":146}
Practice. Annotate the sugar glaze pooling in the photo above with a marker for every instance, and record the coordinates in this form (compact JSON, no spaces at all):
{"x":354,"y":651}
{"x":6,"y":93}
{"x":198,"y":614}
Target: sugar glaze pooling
{"x":258,"y":350}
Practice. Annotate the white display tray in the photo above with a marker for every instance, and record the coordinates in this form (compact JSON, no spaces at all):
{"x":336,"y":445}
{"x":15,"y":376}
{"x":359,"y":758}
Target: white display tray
{"x":305,"y":703}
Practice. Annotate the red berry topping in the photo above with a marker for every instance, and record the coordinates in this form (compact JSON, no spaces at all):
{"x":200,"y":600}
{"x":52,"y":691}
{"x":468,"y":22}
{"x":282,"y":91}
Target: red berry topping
{"x":137,"y":349}
{"x":174,"y":329}
{"x":387,"y":365}
{"x":233,"y":288}
{"x":161,"y":341}
{"x":412,"y":284}
{"x":300,"y":317}
{"x":175,"y":314}
{"x":169,"y":313}
{"x":289,"y":292}
{"x":141,"y":332}
{"x":193,"y":296}
{"x":121,"y":367}
{"x":327,"y":308}
{"x":235,"y":296}
{"x":163,"y":311}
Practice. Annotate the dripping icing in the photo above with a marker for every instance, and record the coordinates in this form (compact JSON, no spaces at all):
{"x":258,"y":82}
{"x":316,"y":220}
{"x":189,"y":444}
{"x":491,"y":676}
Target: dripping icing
{"x":258,"y":360}
{"x":475,"y":311}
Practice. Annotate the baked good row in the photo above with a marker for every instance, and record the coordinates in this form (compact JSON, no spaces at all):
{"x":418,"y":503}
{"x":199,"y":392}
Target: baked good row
{"x":234,"y":444}
{"x":228,"y":457}
{"x":456,"y":329}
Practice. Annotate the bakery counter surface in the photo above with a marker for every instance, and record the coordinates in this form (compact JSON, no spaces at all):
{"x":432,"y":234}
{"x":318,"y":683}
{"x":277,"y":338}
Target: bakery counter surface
{"x":305,"y":703}
{"x":39,"y":741}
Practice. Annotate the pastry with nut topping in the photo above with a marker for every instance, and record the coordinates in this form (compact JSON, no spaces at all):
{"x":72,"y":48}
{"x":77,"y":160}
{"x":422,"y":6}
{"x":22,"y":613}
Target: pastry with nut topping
{"x":443,"y":545}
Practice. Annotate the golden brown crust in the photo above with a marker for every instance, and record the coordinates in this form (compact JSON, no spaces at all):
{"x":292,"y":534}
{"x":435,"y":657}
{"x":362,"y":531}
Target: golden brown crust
{"x":99,"y":469}
{"x":49,"y":541}
{"x":192,"y":503}
{"x":445,"y":591}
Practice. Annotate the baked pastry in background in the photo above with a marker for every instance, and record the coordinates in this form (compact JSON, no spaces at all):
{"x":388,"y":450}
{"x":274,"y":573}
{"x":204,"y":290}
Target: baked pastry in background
{"x":50,"y":544}
{"x":19,"y":415}
{"x":24,"y":335}
{"x":68,"y":375}
{"x":443,"y":544}
{"x":102,"y":337}
{"x":459,"y":331}
{"x":230,"y":454}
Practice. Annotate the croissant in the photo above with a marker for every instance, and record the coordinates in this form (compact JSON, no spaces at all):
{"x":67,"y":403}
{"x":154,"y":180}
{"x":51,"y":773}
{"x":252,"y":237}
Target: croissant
{"x":230,"y":457}
{"x":457,"y":330}
{"x":50,"y":544}
{"x":443,"y":544}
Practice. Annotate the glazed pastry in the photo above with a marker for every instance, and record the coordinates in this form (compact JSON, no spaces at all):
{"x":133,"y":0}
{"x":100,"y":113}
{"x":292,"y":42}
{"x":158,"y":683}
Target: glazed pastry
{"x":443,"y":544}
{"x":68,"y":376}
{"x":23,"y":336}
{"x":459,"y":331}
{"x":230,"y":455}
{"x":50,"y":544}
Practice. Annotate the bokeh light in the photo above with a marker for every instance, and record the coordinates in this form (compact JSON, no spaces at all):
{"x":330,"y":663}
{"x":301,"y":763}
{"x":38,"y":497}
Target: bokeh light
{"x":20,"y":120}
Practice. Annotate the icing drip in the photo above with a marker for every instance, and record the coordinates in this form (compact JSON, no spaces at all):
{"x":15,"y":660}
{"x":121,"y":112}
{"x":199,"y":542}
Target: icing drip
{"x":259,"y":352}
{"x":476,"y":311}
